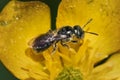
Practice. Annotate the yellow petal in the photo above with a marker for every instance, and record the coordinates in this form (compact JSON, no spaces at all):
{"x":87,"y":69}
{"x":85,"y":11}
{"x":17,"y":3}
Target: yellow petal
{"x":108,"y":71}
{"x":19,"y":23}
{"x":105,"y":15}
{"x":106,"y":21}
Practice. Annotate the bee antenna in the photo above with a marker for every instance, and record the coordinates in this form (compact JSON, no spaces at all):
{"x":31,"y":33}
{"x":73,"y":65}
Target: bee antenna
{"x":87,"y":23}
{"x":92,"y":33}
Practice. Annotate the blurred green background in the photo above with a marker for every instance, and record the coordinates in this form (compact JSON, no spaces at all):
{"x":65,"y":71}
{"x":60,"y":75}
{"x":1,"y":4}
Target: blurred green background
{"x":4,"y":73}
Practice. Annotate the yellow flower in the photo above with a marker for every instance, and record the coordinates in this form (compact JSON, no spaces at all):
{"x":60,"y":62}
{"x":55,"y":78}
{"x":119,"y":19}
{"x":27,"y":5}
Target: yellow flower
{"x":22,"y":21}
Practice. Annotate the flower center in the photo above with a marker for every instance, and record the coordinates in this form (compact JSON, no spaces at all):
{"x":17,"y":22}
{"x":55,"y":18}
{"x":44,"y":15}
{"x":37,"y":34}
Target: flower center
{"x":69,"y":74}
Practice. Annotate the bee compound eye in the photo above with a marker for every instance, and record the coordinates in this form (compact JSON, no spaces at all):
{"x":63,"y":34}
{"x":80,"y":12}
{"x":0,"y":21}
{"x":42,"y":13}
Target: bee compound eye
{"x":78,"y":31}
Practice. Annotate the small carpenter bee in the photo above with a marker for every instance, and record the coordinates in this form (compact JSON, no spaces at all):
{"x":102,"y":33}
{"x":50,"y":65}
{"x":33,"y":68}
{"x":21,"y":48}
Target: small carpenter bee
{"x":63,"y":35}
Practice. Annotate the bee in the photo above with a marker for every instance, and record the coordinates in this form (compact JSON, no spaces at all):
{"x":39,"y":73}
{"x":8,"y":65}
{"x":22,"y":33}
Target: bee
{"x":62,"y":35}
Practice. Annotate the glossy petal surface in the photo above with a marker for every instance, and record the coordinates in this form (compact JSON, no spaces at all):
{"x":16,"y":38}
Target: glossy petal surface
{"x":19,"y":23}
{"x":106,"y":21}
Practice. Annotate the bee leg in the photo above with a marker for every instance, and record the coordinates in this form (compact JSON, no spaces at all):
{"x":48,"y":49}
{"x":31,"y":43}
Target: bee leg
{"x":54,"y":47}
{"x":63,"y":44}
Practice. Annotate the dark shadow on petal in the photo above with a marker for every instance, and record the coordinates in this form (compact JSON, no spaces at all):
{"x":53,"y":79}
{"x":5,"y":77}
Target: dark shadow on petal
{"x":105,"y":59}
{"x":38,"y":57}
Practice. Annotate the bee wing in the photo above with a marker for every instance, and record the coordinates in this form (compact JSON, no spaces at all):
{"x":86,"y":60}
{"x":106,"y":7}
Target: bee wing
{"x":30,"y":43}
